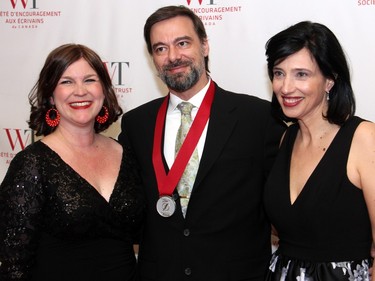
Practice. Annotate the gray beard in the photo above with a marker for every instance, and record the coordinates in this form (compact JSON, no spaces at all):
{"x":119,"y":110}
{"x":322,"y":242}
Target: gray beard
{"x":181,"y":83}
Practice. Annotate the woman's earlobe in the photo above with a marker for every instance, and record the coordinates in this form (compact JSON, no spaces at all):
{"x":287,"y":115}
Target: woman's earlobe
{"x":331,"y":83}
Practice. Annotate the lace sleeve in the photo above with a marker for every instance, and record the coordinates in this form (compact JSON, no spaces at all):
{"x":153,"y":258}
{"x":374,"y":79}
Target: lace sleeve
{"x":20,"y":208}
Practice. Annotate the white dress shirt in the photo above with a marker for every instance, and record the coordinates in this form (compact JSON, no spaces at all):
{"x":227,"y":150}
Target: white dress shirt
{"x":173,"y":121}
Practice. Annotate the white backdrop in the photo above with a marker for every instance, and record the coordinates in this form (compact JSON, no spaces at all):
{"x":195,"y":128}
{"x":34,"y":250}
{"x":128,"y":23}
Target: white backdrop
{"x":237,"y":30}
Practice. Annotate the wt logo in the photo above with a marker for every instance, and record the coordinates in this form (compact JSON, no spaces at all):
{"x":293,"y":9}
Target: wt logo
{"x":211,"y":2}
{"x":23,"y":3}
{"x":117,"y":71}
{"x":17,"y":138}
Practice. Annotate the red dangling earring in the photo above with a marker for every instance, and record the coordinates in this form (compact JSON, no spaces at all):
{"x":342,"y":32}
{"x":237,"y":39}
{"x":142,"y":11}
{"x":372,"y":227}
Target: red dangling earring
{"x":102,"y":119}
{"x":53,"y":120}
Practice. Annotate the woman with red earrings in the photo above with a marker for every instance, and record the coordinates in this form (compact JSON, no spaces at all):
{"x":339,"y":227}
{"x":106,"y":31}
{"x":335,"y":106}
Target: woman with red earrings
{"x":70,"y":203}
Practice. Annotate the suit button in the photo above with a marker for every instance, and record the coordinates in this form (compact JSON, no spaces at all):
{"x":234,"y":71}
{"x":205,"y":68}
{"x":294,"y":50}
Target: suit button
{"x":187,"y":271}
{"x":186,"y":232}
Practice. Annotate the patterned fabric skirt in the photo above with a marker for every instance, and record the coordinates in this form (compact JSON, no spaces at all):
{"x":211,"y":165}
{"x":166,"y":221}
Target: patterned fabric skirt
{"x":288,"y":269}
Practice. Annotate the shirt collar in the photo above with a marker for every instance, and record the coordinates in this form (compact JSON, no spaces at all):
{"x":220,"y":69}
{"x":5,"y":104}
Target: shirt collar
{"x":196,"y":100}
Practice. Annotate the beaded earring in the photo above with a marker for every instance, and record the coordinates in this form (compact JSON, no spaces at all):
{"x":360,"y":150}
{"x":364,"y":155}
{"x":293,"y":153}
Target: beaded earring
{"x":52,"y":117}
{"x":101,"y":119}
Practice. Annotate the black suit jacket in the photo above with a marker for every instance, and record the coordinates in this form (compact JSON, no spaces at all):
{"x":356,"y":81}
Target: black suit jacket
{"x":225,"y":235}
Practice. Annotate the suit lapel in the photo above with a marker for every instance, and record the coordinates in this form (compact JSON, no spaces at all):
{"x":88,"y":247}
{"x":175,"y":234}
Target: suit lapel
{"x":221,"y":124}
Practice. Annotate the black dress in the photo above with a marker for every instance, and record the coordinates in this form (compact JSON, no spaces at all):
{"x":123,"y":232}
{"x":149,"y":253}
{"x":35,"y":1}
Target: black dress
{"x":326,"y":233}
{"x":55,"y":226}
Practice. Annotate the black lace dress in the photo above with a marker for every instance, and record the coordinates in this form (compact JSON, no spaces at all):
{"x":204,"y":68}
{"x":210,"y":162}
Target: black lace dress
{"x":55,"y":226}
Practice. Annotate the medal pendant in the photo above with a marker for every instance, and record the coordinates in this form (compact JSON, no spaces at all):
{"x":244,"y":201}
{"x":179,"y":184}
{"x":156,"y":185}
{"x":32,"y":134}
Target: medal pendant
{"x":166,"y":206}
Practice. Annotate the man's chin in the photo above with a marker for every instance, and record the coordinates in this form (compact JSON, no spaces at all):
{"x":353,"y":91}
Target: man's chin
{"x":178,"y":86}
{"x":178,"y":89}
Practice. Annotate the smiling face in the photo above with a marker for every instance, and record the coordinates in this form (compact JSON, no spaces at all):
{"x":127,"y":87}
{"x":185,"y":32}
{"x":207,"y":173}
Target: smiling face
{"x":300,"y":87}
{"x":178,"y":55}
{"x":78,"y":95}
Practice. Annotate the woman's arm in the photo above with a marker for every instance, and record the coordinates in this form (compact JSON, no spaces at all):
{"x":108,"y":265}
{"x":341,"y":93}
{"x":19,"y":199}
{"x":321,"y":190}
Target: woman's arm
{"x":361,"y":169}
{"x":20,"y":206}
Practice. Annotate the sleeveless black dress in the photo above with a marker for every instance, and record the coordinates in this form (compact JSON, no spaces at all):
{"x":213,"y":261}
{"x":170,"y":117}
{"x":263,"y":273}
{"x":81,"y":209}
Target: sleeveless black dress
{"x":326,"y":233}
{"x":55,"y":226}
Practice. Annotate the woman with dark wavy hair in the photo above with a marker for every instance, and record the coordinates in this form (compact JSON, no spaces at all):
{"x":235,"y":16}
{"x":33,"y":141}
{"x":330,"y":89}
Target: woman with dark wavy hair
{"x":320,"y":193}
{"x":70,"y":203}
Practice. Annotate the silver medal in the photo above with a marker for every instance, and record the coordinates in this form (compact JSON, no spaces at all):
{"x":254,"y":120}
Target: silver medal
{"x":165,"y":206}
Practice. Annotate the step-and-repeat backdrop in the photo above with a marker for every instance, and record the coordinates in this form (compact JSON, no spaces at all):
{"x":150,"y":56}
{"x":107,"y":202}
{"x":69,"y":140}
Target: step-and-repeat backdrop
{"x":237,"y":30}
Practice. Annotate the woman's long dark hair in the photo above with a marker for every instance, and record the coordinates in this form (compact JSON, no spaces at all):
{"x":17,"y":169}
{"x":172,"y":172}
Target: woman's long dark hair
{"x":328,"y":54}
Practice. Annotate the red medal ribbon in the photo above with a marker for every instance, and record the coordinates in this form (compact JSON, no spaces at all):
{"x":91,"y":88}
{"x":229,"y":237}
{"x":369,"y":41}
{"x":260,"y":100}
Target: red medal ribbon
{"x":167,"y":183}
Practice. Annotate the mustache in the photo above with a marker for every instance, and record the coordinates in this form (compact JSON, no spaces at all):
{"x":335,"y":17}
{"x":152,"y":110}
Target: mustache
{"x":176,"y":64}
